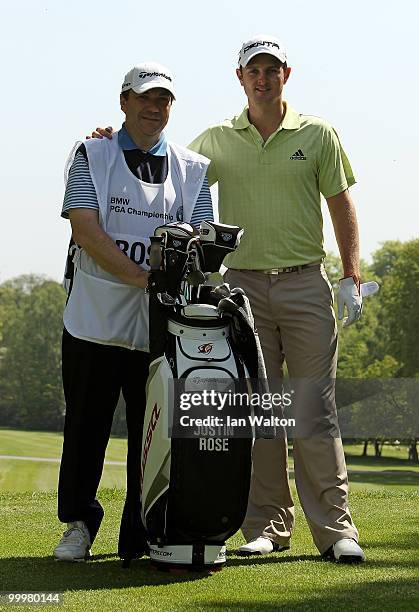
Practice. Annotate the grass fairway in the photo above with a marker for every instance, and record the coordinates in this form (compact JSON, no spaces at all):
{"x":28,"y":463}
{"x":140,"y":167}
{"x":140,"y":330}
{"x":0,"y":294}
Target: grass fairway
{"x":48,"y":444}
{"x":31,"y":475}
{"x":391,"y":470}
{"x":296,"y":580}
{"x":384,"y":501}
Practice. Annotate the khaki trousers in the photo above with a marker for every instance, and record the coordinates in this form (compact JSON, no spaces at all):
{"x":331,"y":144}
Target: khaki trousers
{"x":295,"y":320}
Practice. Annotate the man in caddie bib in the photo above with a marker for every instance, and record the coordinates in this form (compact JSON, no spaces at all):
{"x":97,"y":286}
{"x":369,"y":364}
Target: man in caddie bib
{"x":118,"y":191}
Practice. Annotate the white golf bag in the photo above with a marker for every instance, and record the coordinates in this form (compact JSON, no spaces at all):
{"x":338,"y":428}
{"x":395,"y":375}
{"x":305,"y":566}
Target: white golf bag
{"x":194,"y":486}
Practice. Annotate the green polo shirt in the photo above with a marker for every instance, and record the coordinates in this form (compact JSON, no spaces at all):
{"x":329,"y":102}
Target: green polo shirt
{"x":273,"y":189}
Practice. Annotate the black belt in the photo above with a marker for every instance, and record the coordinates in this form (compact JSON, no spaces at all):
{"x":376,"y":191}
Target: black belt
{"x":289,"y":269}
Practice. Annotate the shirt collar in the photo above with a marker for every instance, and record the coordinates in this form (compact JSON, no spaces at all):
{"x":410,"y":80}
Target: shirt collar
{"x":291,"y":120}
{"x":127,"y":144}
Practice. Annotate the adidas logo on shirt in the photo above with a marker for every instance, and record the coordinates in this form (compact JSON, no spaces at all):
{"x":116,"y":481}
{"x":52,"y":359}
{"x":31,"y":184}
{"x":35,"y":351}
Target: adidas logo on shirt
{"x":298,"y":155}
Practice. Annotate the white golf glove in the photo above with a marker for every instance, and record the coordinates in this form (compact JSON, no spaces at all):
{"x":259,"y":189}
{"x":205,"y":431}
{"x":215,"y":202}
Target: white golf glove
{"x":350,"y":297}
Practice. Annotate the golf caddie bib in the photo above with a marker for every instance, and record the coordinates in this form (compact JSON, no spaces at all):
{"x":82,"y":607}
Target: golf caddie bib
{"x":100,"y":307}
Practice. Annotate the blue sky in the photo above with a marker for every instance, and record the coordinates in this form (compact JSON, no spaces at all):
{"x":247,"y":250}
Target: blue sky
{"x":353,"y":63}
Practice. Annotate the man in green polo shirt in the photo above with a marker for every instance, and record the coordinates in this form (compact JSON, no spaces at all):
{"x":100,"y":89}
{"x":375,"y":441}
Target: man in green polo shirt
{"x":272,"y":164}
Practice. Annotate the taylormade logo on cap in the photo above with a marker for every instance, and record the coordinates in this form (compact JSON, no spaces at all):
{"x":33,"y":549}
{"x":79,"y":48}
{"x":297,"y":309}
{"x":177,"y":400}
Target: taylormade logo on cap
{"x":261,"y":44}
{"x":147,"y":76}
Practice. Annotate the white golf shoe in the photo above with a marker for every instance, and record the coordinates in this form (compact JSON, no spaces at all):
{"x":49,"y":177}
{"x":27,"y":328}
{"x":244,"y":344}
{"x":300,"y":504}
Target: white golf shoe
{"x":260,"y":546}
{"x":346,"y":551}
{"x":75,"y":543}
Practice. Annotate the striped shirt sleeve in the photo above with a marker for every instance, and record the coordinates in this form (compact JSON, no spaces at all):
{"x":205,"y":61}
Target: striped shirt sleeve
{"x":203,"y":206}
{"x":80,"y":191}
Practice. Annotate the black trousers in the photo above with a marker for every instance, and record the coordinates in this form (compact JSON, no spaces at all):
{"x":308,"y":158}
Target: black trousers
{"x":93,"y":377}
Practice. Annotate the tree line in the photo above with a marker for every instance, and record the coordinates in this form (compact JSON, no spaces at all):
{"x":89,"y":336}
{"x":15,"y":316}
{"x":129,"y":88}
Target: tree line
{"x":384,"y":344}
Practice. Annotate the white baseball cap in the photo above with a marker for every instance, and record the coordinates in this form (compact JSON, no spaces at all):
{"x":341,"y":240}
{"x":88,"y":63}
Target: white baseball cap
{"x":147,"y":76}
{"x":264,"y":43}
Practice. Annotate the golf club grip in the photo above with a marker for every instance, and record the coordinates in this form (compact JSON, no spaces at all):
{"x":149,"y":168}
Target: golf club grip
{"x":155,"y":252}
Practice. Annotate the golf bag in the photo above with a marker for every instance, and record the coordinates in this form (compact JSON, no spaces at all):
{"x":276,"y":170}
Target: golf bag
{"x":194,"y":487}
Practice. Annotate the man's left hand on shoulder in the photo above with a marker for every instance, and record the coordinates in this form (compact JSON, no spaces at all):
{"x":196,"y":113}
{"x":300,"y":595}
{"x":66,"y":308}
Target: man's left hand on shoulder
{"x":102,"y":132}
